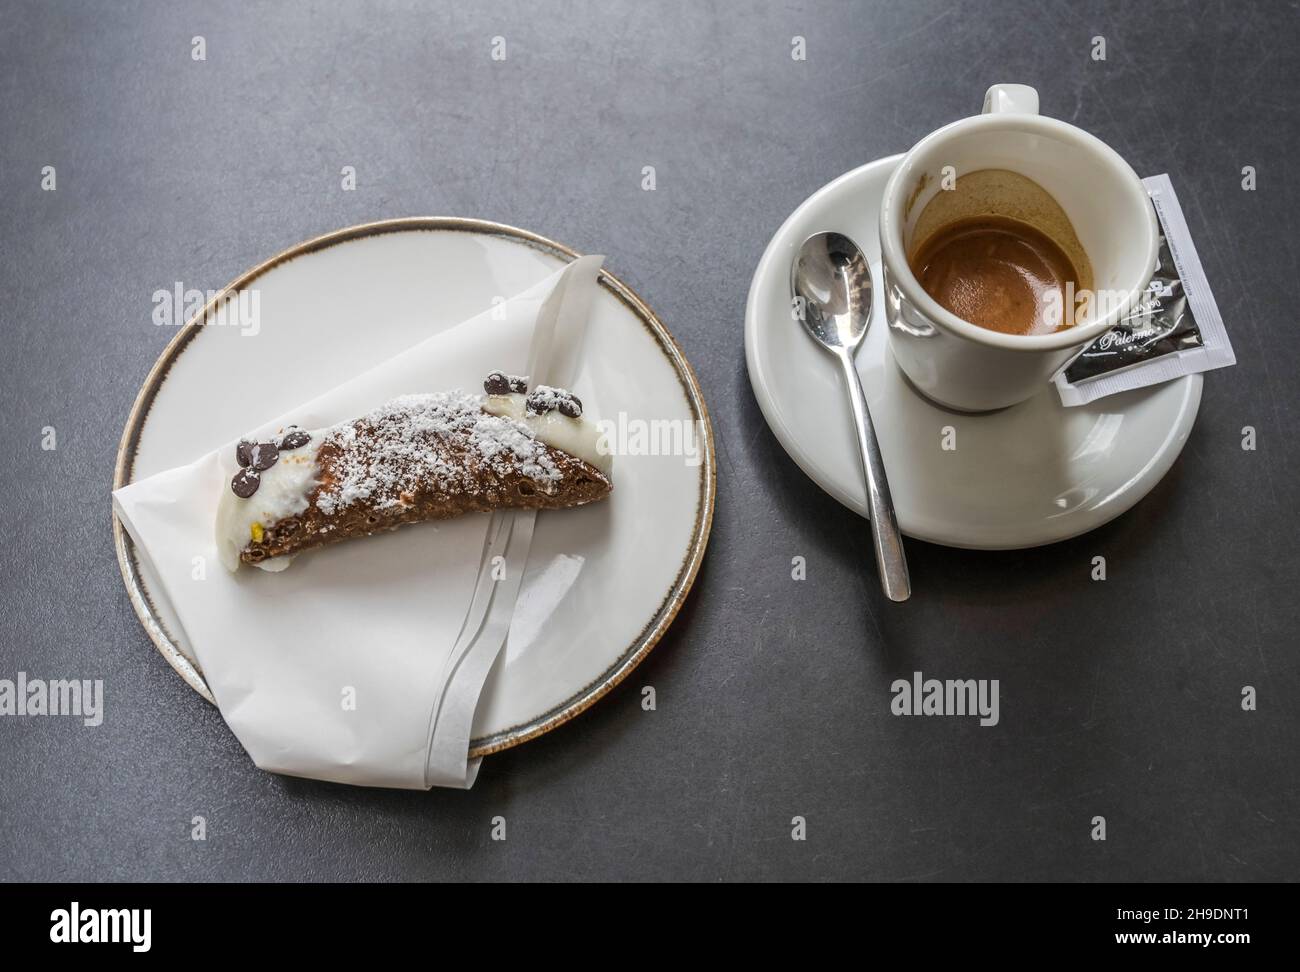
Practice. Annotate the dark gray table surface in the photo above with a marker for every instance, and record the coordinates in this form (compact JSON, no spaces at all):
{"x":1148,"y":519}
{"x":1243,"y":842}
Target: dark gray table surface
{"x":1119,"y":699}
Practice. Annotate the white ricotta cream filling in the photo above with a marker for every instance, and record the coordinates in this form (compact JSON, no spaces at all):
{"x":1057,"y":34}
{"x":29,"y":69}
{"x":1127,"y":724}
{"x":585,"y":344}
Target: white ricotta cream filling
{"x":576,"y":436}
{"x":282,"y":493}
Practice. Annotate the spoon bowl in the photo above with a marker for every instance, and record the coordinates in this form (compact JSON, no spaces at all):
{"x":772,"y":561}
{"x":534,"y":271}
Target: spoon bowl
{"x":832,"y":278}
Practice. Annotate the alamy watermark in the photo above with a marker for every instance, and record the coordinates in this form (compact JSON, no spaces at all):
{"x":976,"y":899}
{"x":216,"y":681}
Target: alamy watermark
{"x":627,"y":436}
{"x":129,"y":926}
{"x":23,"y":696}
{"x":950,"y":697}
{"x":241,"y":309}
{"x":1069,"y":307}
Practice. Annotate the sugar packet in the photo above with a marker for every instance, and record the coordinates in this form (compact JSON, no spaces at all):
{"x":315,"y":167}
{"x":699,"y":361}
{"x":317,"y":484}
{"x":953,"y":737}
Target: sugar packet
{"x":1174,"y":330}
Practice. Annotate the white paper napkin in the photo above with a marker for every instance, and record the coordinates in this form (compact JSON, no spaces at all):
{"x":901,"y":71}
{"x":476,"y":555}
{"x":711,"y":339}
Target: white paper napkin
{"x":554,"y":359}
{"x":331,"y":669}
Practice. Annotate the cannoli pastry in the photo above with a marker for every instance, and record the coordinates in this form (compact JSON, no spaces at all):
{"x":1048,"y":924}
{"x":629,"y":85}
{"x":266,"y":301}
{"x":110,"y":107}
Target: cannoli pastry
{"x":419,"y":457}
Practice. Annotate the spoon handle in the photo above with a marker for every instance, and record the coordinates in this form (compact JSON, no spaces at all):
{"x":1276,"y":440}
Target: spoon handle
{"x":888,"y":542}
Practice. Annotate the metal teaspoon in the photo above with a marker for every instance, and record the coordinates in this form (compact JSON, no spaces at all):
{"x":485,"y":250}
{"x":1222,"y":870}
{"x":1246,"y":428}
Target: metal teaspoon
{"x":832,"y":276}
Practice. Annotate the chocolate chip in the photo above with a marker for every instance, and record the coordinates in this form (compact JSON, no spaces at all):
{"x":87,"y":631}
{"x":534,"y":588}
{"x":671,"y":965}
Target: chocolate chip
{"x":497,"y":383}
{"x":294,"y":439}
{"x":244,"y":453}
{"x":245,"y":483}
{"x":550,"y":399}
{"x":518,"y":385}
{"x":264,"y":455}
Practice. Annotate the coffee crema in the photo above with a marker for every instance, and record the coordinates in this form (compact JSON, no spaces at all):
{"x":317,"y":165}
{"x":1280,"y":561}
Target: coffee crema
{"x":998,"y":273}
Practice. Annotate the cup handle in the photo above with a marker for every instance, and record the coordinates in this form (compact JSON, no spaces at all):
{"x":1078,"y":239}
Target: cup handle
{"x":1019,"y":99}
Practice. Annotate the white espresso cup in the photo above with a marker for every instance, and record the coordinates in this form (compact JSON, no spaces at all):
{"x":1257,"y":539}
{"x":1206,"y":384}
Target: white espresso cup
{"x":971,"y":368}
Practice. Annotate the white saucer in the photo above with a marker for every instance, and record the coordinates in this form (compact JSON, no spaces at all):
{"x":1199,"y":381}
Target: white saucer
{"x":1031,"y":474}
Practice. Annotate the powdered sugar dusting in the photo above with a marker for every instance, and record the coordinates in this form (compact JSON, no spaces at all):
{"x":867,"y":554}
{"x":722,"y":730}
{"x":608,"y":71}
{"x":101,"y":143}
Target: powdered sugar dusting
{"x":438,"y":442}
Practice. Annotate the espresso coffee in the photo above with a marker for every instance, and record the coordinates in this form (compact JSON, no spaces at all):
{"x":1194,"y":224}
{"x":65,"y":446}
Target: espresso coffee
{"x":999,"y":273}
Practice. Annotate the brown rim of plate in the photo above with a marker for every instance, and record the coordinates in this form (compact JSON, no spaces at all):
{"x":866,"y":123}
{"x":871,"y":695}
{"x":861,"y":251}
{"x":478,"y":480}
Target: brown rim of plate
{"x":649,"y":636}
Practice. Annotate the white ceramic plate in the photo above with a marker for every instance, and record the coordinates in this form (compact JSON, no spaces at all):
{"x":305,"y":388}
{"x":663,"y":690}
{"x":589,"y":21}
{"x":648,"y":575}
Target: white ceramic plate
{"x":1031,"y":474}
{"x":336,"y":305}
